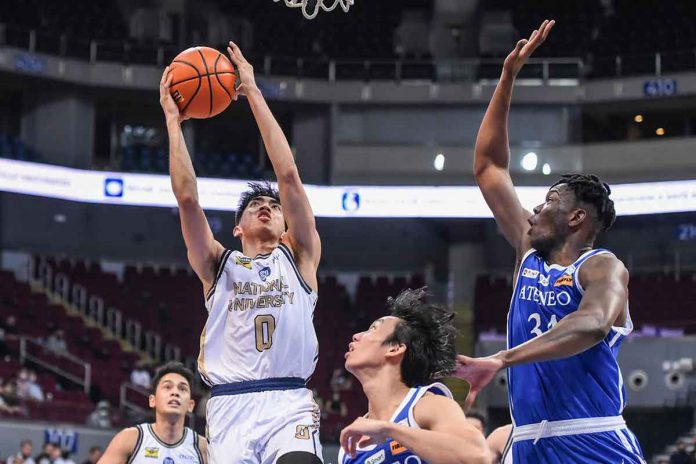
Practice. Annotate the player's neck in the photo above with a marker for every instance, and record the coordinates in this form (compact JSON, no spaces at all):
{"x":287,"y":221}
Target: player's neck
{"x":384,"y":392}
{"x":253,"y":247}
{"x":170,"y":431}
{"x":567,"y":253}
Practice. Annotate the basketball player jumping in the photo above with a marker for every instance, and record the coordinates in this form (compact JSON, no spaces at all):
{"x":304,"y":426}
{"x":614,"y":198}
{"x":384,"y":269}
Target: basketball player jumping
{"x":167,"y":440}
{"x":409,"y":418}
{"x":258,"y":346}
{"x":569,"y":311}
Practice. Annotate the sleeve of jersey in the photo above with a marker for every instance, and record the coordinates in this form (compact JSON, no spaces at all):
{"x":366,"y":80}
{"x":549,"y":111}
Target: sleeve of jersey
{"x":220,"y":269}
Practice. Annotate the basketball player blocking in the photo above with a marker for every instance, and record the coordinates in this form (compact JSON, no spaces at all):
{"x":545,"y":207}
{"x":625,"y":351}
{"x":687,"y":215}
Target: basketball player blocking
{"x":569,"y":310}
{"x":167,"y":439}
{"x":258,"y":346}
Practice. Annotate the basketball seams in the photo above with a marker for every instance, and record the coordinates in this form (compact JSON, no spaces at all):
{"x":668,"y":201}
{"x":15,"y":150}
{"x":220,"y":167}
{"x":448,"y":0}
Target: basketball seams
{"x":200,"y":76}
{"x":210,"y":84}
{"x":218,"y":77}
{"x":183,"y":110}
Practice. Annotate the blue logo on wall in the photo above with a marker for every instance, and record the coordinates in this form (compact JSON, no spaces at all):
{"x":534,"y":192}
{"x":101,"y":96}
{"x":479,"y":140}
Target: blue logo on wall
{"x":350,"y":201}
{"x":66,"y":438}
{"x":113,"y":187}
{"x":264,"y":273}
{"x":168,"y":460}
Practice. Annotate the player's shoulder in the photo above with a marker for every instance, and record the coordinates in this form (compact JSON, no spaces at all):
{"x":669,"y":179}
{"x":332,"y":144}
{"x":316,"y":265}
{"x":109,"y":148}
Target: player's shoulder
{"x":602,"y":264}
{"x":433,"y":406}
{"x":128,"y":437}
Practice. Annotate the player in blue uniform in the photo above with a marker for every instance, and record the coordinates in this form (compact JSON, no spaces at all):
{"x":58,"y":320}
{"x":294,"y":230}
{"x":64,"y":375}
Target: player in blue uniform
{"x":569,"y":310}
{"x":410,"y":420}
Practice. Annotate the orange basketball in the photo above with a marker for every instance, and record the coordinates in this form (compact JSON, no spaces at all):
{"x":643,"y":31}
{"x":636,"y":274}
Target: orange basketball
{"x":202,"y":82}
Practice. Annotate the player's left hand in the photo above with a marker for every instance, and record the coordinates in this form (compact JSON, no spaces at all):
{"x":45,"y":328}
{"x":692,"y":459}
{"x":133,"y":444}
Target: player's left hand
{"x":244,"y":69}
{"x":478,"y":372}
{"x":364,"y":431}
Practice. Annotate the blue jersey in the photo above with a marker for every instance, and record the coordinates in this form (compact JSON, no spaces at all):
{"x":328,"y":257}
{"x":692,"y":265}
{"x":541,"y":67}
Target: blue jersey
{"x":587,"y":385}
{"x":391,"y":451}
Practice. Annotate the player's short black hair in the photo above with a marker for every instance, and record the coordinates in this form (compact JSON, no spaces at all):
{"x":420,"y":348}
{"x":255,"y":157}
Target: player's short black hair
{"x":590,"y":189}
{"x":172,"y":367}
{"x":429,"y":334}
{"x":256,"y":189}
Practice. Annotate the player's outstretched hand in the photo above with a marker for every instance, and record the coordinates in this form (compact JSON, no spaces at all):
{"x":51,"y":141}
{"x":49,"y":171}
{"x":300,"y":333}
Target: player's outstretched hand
{"x":525,"y":47}
{"x":171,"y":111}
{"x":375,"y":432}
{"x":478,"y":372}
{"x":244,"y":69}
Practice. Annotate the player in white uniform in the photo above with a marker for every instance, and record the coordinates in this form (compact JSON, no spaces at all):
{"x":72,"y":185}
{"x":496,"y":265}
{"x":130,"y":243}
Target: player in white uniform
{"x":258,"y":347}
{"x":500,"y":444}
{"x":167,"y":441}
{"x":409,"y":419}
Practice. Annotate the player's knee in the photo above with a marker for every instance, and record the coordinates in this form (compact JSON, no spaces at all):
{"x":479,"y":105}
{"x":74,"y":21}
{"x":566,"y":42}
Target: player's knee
{"x":299,"y":457}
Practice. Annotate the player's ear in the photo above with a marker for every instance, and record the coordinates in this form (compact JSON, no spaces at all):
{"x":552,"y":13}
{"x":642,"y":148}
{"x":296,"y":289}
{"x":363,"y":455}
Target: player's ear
{"x":151,"y":401}
{"x":396,"y":349}
{"x":237,"y":231}
{"x":577,"y":217}
{"x":192,"y":405}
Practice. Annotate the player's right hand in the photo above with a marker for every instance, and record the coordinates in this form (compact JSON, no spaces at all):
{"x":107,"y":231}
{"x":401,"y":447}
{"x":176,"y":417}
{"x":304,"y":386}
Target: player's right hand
{"x":171,"y":111}
{"x":525,"y":47}
{"x":478,"y":372}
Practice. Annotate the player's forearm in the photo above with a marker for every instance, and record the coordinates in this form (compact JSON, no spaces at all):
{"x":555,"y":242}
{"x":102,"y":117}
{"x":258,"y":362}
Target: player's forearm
{"x":492,"y":139}
{"x":440,"y":448}
{"x":572,"y":335}
{"x":274,"y":139}
{"x":183,"y":176}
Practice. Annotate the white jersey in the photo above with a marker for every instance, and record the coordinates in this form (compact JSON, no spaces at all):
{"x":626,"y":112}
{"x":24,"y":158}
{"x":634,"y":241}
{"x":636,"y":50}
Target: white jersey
{"x":259,"y":323}
{"x":149,"y":449}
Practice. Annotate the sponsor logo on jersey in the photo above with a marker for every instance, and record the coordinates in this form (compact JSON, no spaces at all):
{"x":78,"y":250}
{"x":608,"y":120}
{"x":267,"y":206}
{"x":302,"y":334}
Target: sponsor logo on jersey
{"x":168,"y":460}
{"x":543,"y":280}
{"x":188,"y":457}
{"x":396,"y":448}
{"x":152,"y":453}
{"x":243,"y":261}
{"x":264,"y":273}
{"x":546,"y":298}
{"x":376,"y":458}
{"x":564,"y":280}
{"x":531,"y":273}
{"x":302,"y":432}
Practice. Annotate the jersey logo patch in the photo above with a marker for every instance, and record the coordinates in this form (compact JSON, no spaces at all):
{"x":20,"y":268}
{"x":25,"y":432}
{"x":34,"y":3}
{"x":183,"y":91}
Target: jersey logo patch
{"x":564,"y":280}
{"x":302,"y":432}
{"x":168,"y":460}
{"x":543,"y":280}
{"x":243,"y":261}
{"x":376,"y":458}
{"x":396,"y":448}
{"x":264,"y":273}
{"x":152,"y":453}
{"x":531,"y":273}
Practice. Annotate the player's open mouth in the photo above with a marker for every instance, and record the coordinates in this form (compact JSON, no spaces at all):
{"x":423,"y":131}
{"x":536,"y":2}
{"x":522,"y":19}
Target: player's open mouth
{"x":174,"y":403}
{"x":265,"y":215}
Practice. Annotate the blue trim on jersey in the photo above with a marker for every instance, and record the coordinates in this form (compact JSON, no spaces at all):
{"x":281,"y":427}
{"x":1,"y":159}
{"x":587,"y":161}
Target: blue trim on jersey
{"x":255,"y":386}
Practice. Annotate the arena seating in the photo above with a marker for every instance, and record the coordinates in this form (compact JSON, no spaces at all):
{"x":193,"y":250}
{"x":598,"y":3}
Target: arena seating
{"x":650,"y":294}
{"x":155,"y":160}
{"x":110,"y":363}
{"x":13,"y":147}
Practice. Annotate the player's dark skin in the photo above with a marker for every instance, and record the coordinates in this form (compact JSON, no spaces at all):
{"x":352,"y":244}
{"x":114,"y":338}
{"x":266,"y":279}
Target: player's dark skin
{"x":561,"y":229}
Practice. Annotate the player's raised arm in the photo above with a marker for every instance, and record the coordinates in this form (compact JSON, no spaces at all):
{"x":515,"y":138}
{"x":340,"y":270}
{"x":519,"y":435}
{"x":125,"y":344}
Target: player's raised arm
{"x":202,"y":248}
{"x":120,"y":448}
{"x":302,"y":233}
{"x":492,"y":152}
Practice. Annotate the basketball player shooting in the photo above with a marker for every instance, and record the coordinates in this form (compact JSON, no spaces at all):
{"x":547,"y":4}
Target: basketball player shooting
{"x":411,"y":418}
{"x":167,"y":439}
{"x":569,"y":310}
{"x":258,"y":346}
